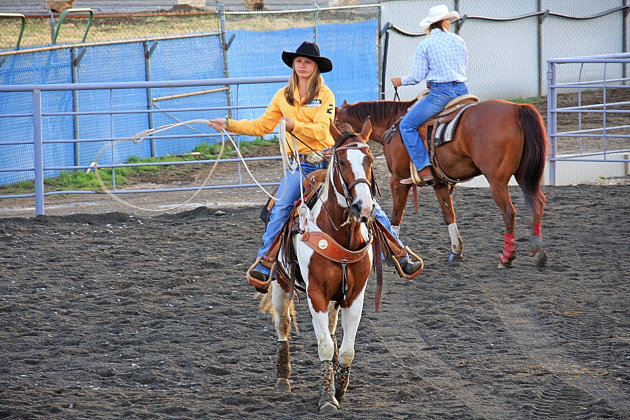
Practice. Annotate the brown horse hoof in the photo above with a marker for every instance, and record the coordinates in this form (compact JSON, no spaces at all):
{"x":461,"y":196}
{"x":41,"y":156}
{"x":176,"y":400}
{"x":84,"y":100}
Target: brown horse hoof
{"x":540,"y":259}
{"x":283,"y":385}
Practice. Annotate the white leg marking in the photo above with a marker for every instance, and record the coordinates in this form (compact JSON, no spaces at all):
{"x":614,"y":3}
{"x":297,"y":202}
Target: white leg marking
{"x":350,"y":319}
{"x":280,"y":301}
{"x":457,"y":245}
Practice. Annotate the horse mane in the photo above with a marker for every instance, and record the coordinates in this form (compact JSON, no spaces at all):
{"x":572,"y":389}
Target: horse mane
{"x":378,"y":111}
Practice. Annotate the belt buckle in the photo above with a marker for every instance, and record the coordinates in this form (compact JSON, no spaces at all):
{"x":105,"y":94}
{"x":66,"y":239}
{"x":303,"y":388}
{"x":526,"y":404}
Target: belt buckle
{"x":315,"y":158}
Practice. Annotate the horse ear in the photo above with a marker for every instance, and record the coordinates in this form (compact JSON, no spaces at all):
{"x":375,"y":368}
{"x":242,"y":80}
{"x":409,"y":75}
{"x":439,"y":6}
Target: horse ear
{"x":367,"y":129}
{"x":333,"y":130}
{"x":345,"y":102}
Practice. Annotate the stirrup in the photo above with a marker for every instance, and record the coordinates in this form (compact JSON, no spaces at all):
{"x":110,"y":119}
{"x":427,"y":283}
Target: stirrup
{"x":401,"y":273}
{"x":261,"y":285}
{"x":414,"y":179}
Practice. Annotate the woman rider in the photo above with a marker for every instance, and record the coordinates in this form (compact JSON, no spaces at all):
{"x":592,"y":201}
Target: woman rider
{"x":307,"y":106}
{"x":441,"y":61}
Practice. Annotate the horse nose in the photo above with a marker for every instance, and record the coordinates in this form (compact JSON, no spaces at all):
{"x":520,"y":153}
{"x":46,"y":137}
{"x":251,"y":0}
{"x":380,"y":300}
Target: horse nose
{"x":359,"y":211}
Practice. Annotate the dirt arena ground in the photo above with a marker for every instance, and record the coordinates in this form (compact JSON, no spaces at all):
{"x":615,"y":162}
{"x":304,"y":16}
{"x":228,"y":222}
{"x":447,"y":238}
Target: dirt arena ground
{"x":125,"y":314}
{"x":110,"y":312}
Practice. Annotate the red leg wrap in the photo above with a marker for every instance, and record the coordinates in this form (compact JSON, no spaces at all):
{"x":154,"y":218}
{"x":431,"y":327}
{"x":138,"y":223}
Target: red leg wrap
{"x":508,"y":249}
{"x":537,"y":228}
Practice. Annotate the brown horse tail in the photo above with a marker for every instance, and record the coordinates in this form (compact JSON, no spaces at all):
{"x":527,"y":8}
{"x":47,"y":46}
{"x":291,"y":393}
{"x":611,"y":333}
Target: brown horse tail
{"x":534,"y":153}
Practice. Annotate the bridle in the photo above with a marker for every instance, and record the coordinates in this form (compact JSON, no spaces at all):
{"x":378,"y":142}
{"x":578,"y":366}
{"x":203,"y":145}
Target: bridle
{"x":337,"y":171}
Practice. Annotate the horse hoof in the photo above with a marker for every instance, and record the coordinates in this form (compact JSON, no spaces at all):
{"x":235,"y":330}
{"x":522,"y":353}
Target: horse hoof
{"x":540,"y":259}
{"x":507,"y":264}
{"x":329,"y":407}
{"x":283,"y":385}
{"x":455,"y":257}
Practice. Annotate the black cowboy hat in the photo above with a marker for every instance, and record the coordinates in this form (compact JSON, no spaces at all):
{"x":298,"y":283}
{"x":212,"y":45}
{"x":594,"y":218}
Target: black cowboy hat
{"x":309,"y":50}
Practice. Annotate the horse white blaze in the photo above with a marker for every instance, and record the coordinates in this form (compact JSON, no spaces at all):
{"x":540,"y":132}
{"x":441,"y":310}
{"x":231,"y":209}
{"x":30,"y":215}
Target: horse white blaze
{"x":361,"y":190}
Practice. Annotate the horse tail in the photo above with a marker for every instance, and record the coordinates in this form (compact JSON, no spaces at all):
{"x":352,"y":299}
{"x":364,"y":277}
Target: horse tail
{"x":266,"y":306}
{"x":534,"y":152}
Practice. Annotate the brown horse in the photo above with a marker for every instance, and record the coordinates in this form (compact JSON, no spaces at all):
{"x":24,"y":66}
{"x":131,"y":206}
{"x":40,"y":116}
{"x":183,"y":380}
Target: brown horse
{"x":494,"y":138}
{"x":333,"y":250}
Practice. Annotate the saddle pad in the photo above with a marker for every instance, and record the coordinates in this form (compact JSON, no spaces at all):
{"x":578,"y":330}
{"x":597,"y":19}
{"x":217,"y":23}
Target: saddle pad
{"x":444,"y":132}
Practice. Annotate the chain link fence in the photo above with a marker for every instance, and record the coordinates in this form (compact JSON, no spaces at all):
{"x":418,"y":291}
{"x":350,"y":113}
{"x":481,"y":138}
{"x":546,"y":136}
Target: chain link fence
{"x":508,"y":41}
{"x":29,"y":24}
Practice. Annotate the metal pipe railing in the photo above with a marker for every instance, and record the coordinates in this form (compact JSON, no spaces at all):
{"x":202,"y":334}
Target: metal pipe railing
{"x":38,"y":134}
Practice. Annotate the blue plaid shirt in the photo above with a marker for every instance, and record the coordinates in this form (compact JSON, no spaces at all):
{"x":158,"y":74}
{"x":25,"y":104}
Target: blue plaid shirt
{"x":441,"y":57}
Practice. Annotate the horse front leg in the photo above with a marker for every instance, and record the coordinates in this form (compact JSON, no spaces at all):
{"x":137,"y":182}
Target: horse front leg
{"x":445,"y":200}
{"x":400,"y":195}
{"x":326,"y":350}
{"x":501,"y":196}
{"x":350,"y":319}
{"x":282,"y":305}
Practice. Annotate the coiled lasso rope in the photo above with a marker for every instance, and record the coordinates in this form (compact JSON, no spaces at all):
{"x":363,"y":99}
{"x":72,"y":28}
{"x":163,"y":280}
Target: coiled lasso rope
{"x":139,"y":137}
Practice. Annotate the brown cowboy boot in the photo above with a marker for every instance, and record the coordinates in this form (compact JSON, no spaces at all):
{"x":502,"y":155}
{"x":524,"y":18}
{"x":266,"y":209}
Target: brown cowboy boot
{"x":257,"y":278}
{"x":410,"y":268}
{"x":425,"y":175}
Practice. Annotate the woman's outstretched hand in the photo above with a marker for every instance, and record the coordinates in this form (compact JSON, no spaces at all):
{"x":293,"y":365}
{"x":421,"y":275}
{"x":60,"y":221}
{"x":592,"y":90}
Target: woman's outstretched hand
{"x":218,"y":124}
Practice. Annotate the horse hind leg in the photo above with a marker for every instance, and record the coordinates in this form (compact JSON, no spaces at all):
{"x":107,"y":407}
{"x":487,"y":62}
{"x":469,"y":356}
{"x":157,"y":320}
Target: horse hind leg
{"x":282,"y":307}
{"x":333,"y":317}
{"x":283,"y":367}
{"x":501,"y":196}
{"x":537,"y":205}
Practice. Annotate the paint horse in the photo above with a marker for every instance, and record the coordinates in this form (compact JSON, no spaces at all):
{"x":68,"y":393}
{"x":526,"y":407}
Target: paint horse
{"x":332,"y":252}
{"x":494,"y":138}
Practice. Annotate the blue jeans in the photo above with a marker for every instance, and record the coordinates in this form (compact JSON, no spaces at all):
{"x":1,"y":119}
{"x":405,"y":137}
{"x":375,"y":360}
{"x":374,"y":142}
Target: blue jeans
{"x":285,"y":202}
{"x":439,"y":95}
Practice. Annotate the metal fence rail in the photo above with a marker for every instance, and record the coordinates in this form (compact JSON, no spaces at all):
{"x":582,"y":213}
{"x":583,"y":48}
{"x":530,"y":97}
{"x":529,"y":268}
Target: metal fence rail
{"x":608,"y":143}
{"x":109,"y":111}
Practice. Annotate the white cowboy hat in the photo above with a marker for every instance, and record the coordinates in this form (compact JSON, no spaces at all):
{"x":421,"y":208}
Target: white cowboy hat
{"x":436,"y":14}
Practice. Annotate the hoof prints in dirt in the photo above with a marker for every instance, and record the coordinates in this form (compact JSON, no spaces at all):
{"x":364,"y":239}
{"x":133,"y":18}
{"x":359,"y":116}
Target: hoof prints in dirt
{"x":119,"y":316}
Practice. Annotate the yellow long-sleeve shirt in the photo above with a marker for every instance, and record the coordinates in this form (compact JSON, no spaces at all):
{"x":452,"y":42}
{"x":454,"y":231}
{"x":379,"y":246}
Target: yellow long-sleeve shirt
{"x":312,"y":121}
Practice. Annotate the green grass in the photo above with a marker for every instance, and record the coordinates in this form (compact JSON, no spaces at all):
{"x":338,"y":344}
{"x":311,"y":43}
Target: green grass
{"x":37,"y":31}
{"x":87,"y":181}
{"x":534,"y":100}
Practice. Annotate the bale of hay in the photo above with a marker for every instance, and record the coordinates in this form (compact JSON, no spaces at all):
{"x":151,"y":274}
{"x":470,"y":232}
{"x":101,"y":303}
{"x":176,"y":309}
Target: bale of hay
{"x":59,"y":6}
{"x":254,"y":4}
{"x":193,"y":4}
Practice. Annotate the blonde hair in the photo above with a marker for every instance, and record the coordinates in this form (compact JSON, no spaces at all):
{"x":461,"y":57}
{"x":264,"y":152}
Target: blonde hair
{"x":440,"y":24}
{"x":314,"y":83}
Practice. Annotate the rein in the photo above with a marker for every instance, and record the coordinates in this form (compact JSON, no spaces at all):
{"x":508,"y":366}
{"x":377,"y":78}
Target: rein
{"x":396,"y":95}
